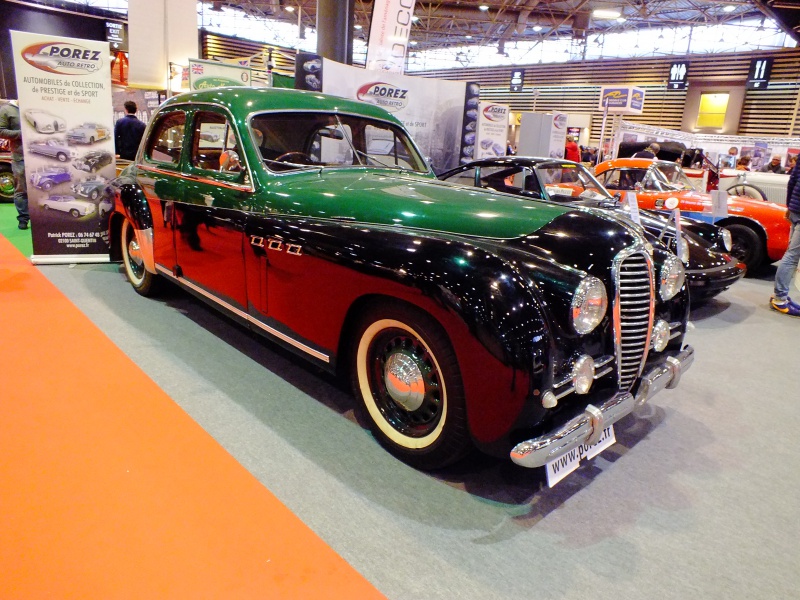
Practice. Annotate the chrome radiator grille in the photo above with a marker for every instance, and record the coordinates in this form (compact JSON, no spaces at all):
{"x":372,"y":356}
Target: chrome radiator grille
{"x":633,"y":313}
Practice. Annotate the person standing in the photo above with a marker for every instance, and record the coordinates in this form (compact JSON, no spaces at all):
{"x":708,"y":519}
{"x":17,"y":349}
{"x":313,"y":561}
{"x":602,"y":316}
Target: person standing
{"x":650,"y":152}
{"x":128,"y":132}
{"x":571,"y":151}
{"x":773,"y":166}
{"x":780,"y":300}
{"x":11,"y":130}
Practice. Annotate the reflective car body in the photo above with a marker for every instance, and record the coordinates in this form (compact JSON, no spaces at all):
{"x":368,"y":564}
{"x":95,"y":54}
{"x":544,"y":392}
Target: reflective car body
{"x":52,"y":148}
{"x":88,"y":133}
{"x":44,"y":122}
{"x":45,"y":178}
{"x":709,"y":268}
{"x":463,"y":317}
{"x":68,"y":204}
{"x":759,"y":229}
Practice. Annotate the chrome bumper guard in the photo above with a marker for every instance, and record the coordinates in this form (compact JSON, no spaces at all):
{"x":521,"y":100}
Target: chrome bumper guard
{"x":587,"y":427}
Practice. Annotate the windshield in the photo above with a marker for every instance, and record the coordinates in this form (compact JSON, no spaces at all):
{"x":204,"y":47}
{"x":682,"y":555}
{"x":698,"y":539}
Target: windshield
{"x":567,"y":181}
{"x":674,"y":175}
{"x":289,"y":140}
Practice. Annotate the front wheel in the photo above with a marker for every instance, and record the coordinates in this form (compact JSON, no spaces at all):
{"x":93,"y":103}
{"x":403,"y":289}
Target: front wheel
{"x":75,"y":213}
{"x":142,"y":280}
{"x":747,"y":246}
{"x":62,"y":157}
{"x":405,"y":374}
{"x":6,"y":184}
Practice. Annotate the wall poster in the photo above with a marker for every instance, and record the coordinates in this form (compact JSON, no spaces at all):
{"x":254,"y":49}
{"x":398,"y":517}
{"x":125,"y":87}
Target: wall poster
{"x":64,"y":89}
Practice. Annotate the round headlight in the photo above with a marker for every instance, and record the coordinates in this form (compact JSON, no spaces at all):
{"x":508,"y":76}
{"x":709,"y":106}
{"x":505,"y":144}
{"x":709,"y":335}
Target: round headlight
{"x":727,"y":240}
{"x":682,"y":250}
{"x":672,"y":276}
{"x":583,"y":374}
{"x":589,"y":304}
{"x":660,"y":335}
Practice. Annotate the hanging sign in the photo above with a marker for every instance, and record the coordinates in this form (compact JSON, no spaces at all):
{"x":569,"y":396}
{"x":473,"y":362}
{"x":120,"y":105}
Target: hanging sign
{"x":117,"y":36}
{"x":517,"y":80}
{"x":621,"y":99}
{"x":389,"y":31}
{"x":758,"y":76}
{"x":64,"y":88}
{"x":678,"y":72}
{"x":206,"y":74}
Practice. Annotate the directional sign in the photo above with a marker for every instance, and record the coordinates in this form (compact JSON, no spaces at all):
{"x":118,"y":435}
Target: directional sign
{"x":678,"y":73}
{"x":758,"y":77}
{"x":517,"y":80}
{"x":117,"y":36}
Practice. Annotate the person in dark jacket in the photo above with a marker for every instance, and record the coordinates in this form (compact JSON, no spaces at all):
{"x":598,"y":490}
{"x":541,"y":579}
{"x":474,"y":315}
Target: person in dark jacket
{"x":780,"y":300}
{"x":128,"y":132}
{"x":650,"y":152}
{"x":11,"y":129}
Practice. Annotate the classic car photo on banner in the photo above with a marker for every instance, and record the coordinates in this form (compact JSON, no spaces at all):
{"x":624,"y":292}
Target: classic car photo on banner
{"x":64,"y":88}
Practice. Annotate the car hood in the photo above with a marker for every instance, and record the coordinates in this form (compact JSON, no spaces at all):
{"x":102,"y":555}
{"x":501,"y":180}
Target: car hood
{"x":380,"y":197}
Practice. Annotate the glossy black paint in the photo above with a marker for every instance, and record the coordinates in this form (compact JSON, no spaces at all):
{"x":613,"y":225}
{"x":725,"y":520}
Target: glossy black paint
{"x":710,"y":269}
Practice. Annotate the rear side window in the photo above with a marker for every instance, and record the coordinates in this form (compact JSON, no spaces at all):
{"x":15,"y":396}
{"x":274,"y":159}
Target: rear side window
{"x":166,"y":140}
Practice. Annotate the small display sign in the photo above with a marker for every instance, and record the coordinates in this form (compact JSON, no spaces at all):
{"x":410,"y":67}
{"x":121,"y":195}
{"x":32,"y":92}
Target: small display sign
{"x":678,"y":74}
{"x":758,"y":77}
{"x":517,"y":80}
{"x":117,"y":36}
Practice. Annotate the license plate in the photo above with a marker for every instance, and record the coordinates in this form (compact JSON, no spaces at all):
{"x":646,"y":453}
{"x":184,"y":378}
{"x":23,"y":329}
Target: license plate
{"x":562,"y":466}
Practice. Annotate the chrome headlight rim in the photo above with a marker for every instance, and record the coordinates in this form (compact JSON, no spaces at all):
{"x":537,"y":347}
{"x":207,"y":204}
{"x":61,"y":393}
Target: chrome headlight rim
{"x":726,"y":239}
{"x":682,"y":250}
{"x":589,"y":305}
{"x":672,"y":277}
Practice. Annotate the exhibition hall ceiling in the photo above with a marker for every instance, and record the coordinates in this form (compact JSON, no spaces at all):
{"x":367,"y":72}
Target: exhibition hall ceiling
{"x":447,"y":22}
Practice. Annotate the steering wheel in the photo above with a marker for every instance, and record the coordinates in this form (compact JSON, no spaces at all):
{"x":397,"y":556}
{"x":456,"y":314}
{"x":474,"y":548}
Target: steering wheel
{"x":295,"y":157}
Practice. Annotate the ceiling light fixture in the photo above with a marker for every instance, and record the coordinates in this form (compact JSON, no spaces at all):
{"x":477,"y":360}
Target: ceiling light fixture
{"x":483,"y":7}
{"x":729,"y":8}
{"x":358,"y":26}
{"x":468,"y":36}
{"x":537,"y":28}
{"x":415,"y":18}
{"x":288,"y":8}
{"x":606,"y":13}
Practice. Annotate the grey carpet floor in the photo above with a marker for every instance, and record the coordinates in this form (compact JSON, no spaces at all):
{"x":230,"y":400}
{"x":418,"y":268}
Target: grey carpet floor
{"x":696,"y":500}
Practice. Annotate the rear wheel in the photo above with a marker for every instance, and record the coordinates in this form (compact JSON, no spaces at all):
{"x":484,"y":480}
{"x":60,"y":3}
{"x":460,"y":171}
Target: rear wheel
{"x":62,"y":157}
{"x":47,"y":185}
{"x":406,"y":375}
{"x":747,"y":246}
{"x":747,"y":190}
{"x":144,"y":282}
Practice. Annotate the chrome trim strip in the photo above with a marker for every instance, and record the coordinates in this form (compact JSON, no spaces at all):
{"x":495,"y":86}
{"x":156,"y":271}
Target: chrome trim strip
{"x":247,"y":317}
{"x":198,"y":179}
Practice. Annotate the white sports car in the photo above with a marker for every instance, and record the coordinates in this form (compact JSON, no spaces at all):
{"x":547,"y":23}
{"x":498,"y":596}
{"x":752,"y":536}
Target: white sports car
{"x":69,"y":204}
{"x":44,"y":122}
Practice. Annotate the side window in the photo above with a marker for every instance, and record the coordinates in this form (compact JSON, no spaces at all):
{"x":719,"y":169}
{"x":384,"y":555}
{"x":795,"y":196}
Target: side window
{"x":386,"y":148}
{"x":214,"y":144}
{"x":166,"y":141}
{"x":466,"y":177}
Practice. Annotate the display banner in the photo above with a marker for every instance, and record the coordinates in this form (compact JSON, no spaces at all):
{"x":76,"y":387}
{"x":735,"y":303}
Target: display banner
{"x":469,"y":122}
{"x":206,"y":74}
{"x":431,"y":109}
{"x":388,"y":35}
{"x":558,"y":135}
{"x":64,"y":88}
{"x":492,"y":130}
{"x":621,"y":99}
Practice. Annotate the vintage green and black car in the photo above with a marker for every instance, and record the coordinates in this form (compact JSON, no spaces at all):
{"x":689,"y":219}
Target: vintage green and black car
{"x":463,"y":317}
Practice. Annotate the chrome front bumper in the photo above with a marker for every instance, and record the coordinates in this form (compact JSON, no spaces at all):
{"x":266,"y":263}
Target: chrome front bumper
{"x":587,"y":427}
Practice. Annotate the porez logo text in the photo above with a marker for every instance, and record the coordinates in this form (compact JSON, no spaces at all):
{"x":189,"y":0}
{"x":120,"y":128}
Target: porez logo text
{"x":63,"y":58}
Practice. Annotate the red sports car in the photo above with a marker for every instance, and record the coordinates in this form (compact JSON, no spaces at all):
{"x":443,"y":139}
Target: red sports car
{"x":759,"y":229}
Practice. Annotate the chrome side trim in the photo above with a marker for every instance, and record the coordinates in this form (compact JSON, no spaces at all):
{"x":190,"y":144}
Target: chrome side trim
{"x":247,"y":317}
{"x":198,"y":178}
{"x":586,"y":427}
{"x":144,"y":237}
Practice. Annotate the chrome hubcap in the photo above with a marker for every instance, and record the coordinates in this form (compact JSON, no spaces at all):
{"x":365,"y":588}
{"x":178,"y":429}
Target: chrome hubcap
{"x":135,"y":252}
{"x":404,"y":381}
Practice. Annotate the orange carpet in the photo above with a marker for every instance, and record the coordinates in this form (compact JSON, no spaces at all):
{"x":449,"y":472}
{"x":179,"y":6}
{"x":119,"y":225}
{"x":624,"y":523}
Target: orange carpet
{"x":109,"y":490}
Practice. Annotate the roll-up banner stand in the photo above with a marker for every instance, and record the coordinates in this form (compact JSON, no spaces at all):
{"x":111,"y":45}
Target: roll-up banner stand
{"x":64,"y":88}
{"x":492,"y":130}
{"x":432,"y":110}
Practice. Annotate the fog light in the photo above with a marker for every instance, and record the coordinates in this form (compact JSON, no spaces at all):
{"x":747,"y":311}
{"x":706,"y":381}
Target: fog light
{"x":583,"y":374}
{"x":660,"y":336}
{"x":549,"y":399}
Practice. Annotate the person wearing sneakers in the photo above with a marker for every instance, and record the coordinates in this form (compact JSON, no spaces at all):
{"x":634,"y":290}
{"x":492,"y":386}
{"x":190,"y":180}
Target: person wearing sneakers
{"x":10,"y":129}
{"x":780,"y":300}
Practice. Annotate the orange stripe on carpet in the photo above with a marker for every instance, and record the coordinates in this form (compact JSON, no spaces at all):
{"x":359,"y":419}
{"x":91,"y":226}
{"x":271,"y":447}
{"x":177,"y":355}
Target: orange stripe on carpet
{"x":109,"y":490}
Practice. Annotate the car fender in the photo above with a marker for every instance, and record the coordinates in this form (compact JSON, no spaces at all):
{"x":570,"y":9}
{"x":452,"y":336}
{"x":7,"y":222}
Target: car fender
{"x":129,"y":202}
